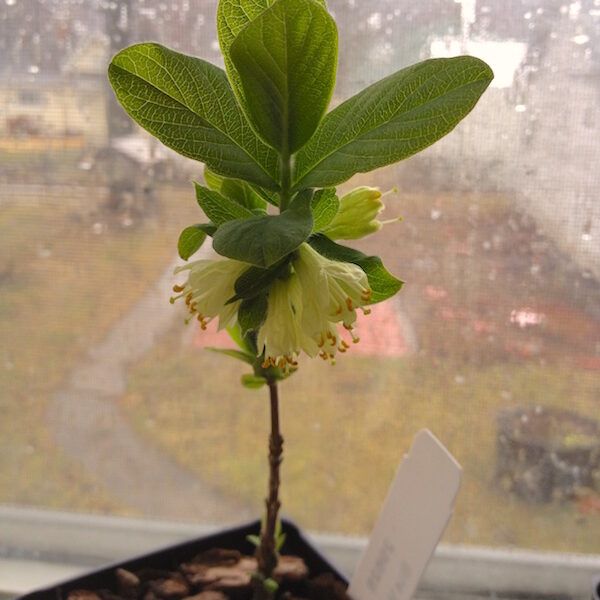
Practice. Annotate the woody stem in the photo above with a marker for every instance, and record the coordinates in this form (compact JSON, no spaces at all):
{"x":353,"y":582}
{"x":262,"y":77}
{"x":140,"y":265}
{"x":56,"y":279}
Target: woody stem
{"x":266,"y":552}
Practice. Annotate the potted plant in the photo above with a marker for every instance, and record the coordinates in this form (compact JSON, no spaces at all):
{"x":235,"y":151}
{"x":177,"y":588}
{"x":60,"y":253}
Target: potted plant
{"x":283,"y":285}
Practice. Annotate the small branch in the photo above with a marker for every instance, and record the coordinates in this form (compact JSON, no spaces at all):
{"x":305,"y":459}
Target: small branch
{"x":266,"y":553}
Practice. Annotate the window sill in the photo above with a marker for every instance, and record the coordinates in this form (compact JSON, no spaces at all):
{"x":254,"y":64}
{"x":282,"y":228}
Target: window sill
{"x":49,"y":546}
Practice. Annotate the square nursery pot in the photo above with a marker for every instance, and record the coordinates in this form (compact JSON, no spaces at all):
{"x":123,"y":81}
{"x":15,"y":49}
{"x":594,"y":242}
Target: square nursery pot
{"x":324,"y":582}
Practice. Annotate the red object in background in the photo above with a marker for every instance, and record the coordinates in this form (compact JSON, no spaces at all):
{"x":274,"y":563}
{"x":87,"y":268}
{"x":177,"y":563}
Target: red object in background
{"x":435,"y":293}
{"x":589,"y":505}
{"x":380,"y":334}
{"x":211,"y":337}
{"x":591,"y":363}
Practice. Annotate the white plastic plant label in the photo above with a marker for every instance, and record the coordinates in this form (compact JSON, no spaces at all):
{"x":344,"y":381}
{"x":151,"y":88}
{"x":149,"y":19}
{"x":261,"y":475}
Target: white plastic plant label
{"x":416,"y":511}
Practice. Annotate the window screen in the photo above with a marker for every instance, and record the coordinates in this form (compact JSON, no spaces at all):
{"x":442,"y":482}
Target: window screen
{"x":110,"y":404}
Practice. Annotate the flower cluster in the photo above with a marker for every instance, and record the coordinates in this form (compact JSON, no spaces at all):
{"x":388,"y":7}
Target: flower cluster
{"x":304,"y":309}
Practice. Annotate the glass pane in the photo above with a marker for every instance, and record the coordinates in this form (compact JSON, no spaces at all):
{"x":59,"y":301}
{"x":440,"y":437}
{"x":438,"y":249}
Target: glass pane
{"x":112,"y":404}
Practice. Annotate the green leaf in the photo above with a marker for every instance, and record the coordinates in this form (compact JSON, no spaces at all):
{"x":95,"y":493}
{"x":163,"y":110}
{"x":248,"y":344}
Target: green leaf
{"x":392,"y":119}
{"x":232,"y":17}
{"x":382,"y":283}
{"x":280,"y":541}
{"x":213,"y":181}
{"x":190,"y":241}
{"x":254,"y":540}
{"x":242,"y":192}
{"x":242,"y":342}
{"x":252,"y":313}
{"x":253,"y":382}
{"x":237,"y":354}
{"x":262,"y":241}
{"x":189,"y":106}
{"x":325,"y":205}
{"x":286,"y":59}
{"x":219,"y":209}
{"x":208,"y":228}
{"x":271,"y":586}
{"x":257,"y":280}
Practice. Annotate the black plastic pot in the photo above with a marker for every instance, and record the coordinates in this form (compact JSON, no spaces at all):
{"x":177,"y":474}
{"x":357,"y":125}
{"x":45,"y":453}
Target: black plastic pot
{"x":172,"y":556}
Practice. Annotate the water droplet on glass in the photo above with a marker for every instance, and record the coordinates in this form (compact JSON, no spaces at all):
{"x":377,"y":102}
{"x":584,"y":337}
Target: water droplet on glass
{"x":520,"y":108}
{"x":580,"y":39}
{"x":435,"y":214}
{"x":10,"y":2}
{"x":374,"y":21}
{"x":587,"y":237}
{"x":33,"y":69}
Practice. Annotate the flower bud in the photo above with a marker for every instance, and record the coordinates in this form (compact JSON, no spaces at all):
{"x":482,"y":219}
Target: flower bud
{"x":356,"y":217}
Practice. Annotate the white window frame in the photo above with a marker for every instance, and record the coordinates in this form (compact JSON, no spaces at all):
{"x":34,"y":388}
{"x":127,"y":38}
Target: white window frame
{"x":38,"y":547}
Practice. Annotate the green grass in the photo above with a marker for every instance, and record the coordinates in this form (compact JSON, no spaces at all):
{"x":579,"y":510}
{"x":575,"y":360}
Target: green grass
{"x":346,"y":429}
{"x":61,"y":288}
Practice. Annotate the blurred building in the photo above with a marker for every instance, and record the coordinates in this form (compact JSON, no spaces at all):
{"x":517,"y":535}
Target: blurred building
{"x":63,"y":108}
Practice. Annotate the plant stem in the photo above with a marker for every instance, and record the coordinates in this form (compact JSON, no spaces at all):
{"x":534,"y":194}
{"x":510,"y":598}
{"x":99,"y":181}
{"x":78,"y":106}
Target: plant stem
{"x":266,"y":553}
{"x":286,"y":180}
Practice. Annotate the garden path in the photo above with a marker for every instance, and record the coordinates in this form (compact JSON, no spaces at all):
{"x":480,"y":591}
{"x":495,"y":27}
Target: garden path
{"x":90,"y":428}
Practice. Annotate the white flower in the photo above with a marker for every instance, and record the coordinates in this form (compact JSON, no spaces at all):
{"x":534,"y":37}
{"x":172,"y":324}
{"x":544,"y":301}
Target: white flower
{"x":339,"y":288}
{"x":209,"y":286}
{"x":304,"y":309}
{"x":281,"y":335}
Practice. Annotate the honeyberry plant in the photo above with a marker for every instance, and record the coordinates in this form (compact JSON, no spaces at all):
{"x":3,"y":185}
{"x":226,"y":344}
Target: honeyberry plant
{"x":273,"y":157}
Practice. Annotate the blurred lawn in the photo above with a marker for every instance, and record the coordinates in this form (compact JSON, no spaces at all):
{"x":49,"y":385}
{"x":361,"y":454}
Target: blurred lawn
{"x":346,"y":429}
{"x":61,"y":288}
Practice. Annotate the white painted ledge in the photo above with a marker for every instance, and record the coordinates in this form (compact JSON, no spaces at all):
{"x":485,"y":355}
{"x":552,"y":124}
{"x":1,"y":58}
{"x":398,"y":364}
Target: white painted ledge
{"x":21,"y":576}
{"x":55,"y":545}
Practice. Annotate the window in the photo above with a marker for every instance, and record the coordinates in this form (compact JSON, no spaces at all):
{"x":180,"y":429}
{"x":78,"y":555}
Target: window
{"x":107,"y":398}
{"x":30,"y":97}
